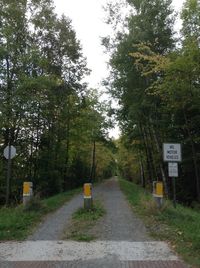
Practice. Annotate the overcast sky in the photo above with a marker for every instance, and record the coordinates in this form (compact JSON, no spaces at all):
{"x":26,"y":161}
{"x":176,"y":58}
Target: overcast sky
{"x":87,"y":19}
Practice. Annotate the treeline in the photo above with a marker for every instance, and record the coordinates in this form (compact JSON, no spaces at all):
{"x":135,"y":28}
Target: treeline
{"x":155,"y":76}
{"x":55,"y":122}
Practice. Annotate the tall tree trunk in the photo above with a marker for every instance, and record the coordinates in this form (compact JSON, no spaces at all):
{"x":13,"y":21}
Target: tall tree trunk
{"x":92,"y":171}
{"x":142,"y":172}
{"x":66,"y":166}
{"x":194,"y":157}
{"x":147,"y":158}
{"x":153,"y":151}
{"x":164,"y":178}
{"x":143,"y":181}
{"x":35,"y":166}
{"x":150,"y":154}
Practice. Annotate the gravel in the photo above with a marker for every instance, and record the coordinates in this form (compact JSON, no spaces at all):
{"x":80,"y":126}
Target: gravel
{"x":73,"y":251}
{"x":53,"y":225}
{"x":119,"y":223}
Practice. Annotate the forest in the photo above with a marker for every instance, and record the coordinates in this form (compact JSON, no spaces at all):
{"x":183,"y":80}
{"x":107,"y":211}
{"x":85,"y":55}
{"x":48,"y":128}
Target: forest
{"x":155,"y":78}
{"x":58,"y":124}
{"x":55,"y":122}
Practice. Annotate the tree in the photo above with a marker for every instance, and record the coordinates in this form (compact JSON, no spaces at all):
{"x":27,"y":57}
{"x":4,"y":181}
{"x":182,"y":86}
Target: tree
{"x":178,"y":88}
{"x":191,"y":19}
{"x":152,"y":23}
{"x":44,"y":102}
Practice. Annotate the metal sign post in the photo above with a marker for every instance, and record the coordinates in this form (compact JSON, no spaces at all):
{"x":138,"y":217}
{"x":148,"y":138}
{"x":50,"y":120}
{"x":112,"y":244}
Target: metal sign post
{"x":173,"y":173}
{"x":9,"y":152}
{"x":172,"y":154}
{"x":174,"y":191}
{"x":8,"y":176}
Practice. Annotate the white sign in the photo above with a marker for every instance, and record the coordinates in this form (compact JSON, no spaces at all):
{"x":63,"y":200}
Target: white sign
{"x":173,"y":169}
{"x":12,"y":152}
{"x":172,"y":152}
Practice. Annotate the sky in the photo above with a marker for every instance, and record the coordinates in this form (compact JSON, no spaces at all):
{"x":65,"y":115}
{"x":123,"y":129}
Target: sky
{"x":88,"y":21}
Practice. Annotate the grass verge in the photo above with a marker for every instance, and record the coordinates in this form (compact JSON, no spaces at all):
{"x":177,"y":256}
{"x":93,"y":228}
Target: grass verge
{"x":180,"y":226}
{"x":82,"y":222}
{"x":17,"y":223}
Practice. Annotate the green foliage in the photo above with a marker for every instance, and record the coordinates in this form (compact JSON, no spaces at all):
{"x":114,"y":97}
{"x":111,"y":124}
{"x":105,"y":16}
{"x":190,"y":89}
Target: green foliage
{"x":178,"y":90}
{"x":46,"y":111}
{"x":140,"y":113}
{"x":133,"y":192}
{"x":15,"y":223}
{"x":180,"y":226}
{"x":127,"y":163}
{"x":157,"y":87}
{"x":191,"y":18}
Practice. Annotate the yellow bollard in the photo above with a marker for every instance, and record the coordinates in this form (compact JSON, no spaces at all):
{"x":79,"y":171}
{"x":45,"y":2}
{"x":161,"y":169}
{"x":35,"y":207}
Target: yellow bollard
{"x":159,"y":189}
{"x":158,"y":192}
{"x":87,"y":191}
{"x":27,"y":191}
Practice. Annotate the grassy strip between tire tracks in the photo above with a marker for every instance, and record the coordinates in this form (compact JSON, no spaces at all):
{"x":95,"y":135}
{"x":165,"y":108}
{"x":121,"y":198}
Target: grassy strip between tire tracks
{"x":180,"y":226}
{"x":82,"y":222}
{"x":17,"y":223}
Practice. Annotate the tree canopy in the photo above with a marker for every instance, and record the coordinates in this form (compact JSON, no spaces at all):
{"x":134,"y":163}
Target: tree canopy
{"x":156,"y":83}
{"x":47,"y":112}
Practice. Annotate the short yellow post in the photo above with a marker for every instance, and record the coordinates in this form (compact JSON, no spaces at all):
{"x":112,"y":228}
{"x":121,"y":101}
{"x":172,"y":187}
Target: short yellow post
{"x":158,"y":192}
{"x":159,"y":189}
{"x":87,"y":190}
{"x":27,"y":191}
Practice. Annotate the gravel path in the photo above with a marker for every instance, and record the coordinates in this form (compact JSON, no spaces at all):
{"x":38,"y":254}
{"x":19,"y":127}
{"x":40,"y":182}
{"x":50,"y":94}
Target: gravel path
{"x":53,"y":225}
{"x":119,"y":223}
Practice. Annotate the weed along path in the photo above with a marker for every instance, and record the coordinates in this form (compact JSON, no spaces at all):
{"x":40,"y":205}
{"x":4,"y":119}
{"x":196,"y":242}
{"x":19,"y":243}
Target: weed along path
{"x":115,"y":238}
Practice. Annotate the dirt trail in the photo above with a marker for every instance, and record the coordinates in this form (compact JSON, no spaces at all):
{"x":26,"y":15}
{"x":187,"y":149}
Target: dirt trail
{"x":119,"y":223}
{"x":54,"y":224}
